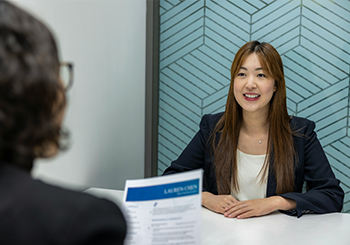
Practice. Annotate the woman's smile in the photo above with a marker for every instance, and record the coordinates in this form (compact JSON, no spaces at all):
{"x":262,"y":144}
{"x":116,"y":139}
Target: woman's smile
{"x":251,"y":96}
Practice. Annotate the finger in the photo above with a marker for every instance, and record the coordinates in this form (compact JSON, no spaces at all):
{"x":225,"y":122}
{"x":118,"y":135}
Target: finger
{"x":224,"y":204}
{"x":238,"y":213}
{"x":234,"y":203}
{"x":233,"y":206}
{"x":238,"y":205}
{"x":220,"y":208}
{"x":232,"y":199}
{"x":229,"y":207}
{"x":245,"y":215}
{"x":237,"y":210}
{"x":229,"y":200}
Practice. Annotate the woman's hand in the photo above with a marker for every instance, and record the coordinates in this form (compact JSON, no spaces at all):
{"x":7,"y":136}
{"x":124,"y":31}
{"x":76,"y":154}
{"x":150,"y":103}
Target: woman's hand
{"x":258,"y":207}
{"x":217,"y":203}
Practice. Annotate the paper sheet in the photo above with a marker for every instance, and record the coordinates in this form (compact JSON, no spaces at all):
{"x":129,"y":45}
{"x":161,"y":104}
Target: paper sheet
{"x":164,"y":210}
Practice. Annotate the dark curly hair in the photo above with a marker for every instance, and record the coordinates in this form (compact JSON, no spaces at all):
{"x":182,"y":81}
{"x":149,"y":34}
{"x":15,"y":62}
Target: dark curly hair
{"x":31,"y":97}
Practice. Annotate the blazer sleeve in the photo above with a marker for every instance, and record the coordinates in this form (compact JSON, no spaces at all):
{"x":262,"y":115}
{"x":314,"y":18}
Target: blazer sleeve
{"x":323,"y":193}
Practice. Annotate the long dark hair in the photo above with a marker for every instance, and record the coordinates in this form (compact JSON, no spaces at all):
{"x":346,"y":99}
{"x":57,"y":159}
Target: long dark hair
{"x":280,"y":148}
{"x":31,"y":96}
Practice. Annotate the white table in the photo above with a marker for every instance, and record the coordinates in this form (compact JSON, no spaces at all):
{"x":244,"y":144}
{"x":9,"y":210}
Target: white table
{"x":272,"y":229}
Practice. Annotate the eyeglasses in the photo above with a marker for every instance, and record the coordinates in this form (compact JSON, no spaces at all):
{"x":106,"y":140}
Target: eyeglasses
{"x":66,"y":74}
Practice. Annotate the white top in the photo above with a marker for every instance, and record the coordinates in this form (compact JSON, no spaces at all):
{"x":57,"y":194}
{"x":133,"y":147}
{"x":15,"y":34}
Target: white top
{"x":249,"y":167}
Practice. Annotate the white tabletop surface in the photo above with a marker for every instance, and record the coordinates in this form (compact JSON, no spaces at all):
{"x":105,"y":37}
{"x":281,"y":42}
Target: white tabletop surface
{"x":272,"y":229}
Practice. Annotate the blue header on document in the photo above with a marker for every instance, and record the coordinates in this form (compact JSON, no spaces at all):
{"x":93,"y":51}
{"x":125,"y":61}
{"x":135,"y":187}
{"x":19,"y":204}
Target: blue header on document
{"x":178,"y":189}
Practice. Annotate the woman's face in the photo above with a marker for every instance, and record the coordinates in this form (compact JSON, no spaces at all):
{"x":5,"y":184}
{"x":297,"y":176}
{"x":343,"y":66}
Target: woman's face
{"x":253,"y":89}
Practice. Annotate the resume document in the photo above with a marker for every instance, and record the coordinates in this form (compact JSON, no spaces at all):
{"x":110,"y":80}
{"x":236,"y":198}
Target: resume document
{"x":164,"y":210}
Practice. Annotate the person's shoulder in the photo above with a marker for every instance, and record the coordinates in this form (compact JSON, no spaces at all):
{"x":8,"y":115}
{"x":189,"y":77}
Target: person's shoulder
{"x":209,"y":122}
{"x":71,"y":200}
{"x":302,"y":126}
{"x":212,"y":119}
{"x":300,"y":122}
{"x":68,"y":215}
{"x":89,"y":217}
{"x":37,"y":192}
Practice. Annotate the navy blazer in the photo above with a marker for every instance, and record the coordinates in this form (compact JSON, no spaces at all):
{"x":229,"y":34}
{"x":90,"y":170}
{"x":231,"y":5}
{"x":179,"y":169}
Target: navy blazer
{"x":323,"y":195}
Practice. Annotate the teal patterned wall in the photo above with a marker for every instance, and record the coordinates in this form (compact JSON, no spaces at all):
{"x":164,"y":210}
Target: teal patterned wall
{"x":198,"y":41}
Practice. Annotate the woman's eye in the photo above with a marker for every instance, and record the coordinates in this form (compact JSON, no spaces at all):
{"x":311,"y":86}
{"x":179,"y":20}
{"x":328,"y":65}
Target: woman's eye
{"x":240,"y":74}
{"x":261,"y":75}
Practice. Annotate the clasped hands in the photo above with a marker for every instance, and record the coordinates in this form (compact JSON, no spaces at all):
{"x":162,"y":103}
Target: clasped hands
{"x":232,"y":208}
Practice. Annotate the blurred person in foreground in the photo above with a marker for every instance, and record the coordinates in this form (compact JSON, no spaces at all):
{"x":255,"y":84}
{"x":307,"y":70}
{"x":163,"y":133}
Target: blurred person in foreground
{"x":32,"y":105}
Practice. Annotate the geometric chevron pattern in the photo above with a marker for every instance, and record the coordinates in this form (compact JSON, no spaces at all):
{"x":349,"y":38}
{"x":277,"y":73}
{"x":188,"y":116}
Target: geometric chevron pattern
{"x":199,"y":39}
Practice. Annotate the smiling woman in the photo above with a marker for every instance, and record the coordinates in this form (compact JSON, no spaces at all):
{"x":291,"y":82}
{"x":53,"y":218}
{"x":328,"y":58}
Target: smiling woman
{"x":256,"y":158}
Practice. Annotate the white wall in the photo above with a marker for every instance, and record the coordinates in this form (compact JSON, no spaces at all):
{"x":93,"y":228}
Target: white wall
{"x":105,"y":39}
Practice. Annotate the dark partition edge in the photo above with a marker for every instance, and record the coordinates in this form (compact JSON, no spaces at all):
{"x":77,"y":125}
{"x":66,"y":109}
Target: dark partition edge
{"x":152,"y":88}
